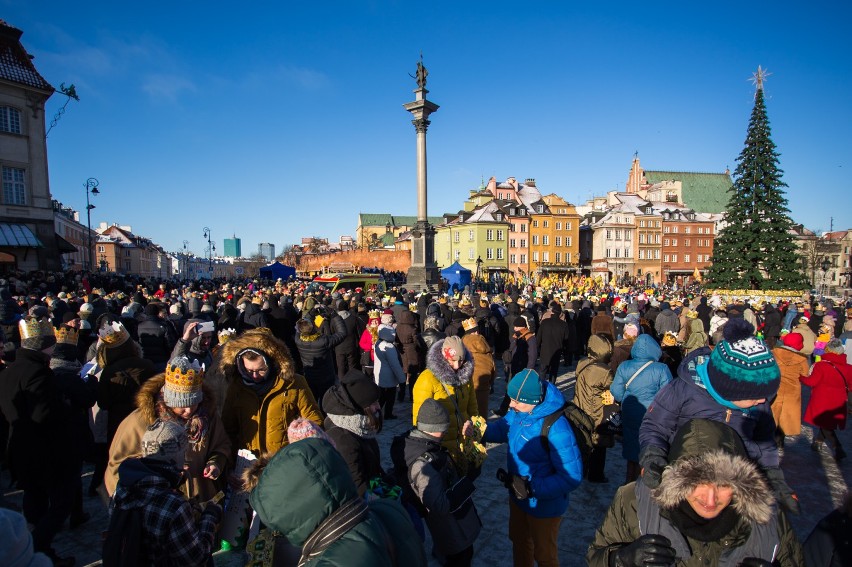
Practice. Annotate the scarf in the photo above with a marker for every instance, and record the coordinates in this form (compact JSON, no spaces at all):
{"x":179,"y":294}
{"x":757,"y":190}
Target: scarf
{"x":358,"y":424}
{"x":693,"y":526}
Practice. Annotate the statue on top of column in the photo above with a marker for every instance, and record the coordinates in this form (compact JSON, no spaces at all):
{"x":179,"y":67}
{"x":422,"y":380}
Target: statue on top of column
{"x":422,"y":73}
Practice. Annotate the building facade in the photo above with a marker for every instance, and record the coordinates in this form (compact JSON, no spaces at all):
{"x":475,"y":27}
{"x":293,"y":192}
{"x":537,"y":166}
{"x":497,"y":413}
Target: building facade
{"x":233,"y":247}
{"x":266,"y":250}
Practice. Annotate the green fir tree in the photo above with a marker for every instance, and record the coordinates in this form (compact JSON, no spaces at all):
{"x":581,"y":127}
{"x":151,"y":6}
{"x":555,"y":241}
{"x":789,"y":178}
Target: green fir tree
{"x":756,"y":249}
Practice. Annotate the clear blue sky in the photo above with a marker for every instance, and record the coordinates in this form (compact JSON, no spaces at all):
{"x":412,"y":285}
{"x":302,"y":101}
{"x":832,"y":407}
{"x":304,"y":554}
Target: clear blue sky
{"x":278,"y":120}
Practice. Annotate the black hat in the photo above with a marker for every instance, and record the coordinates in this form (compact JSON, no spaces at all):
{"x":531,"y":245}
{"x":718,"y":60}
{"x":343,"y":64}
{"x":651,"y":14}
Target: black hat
{"x":360,"y":388}
{"x":433,"y":417}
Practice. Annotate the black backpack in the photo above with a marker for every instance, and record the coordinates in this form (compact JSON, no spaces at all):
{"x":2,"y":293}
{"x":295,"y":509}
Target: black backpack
{"x":399,"y":473}
{"x":123,"y":546}
{"x":581,"y":424}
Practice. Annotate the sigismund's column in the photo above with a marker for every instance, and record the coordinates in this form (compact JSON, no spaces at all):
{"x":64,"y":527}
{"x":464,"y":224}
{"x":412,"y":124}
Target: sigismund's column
{"x":424,"y":271}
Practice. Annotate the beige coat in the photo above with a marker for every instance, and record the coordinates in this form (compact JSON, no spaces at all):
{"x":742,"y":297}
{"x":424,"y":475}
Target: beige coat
{"x":484,"y":369}
{"x":787,"y":406}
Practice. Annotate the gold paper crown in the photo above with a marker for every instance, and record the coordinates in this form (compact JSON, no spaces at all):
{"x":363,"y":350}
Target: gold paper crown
{"x":66,"y":335}
{"x":114,"y":334}
{"x":185,"y":380}
{"x":33,"y":328}
{"x":225,"y":335}
{"x":374,"y":314}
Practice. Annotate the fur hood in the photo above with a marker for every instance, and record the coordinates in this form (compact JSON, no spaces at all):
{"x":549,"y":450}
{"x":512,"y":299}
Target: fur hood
{"x":146,"y":398}
{"x":442,"y":370}
{"x":260,"y":339}
{"x":705,"y":451}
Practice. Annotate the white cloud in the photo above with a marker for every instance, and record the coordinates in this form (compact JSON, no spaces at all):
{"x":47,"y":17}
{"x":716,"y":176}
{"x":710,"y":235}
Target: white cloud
{"x":167,"y":87}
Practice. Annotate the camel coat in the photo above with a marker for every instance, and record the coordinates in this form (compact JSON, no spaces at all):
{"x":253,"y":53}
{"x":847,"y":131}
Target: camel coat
{"x":787,"y":406}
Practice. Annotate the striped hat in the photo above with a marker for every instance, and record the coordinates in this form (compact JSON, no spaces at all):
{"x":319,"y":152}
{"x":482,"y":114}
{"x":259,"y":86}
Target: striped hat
{"x":741,"y":366}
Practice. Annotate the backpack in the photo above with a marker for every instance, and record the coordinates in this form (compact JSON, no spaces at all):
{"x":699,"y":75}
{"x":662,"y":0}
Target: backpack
{"x":581,"y":425}
{"x":123,"y":545}
{"x":399,"y":473}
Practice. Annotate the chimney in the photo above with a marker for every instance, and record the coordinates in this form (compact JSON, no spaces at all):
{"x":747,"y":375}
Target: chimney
{"x":529,"y":182}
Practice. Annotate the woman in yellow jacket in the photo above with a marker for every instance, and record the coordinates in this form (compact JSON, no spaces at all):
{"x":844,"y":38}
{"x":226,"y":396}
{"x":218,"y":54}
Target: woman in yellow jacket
{"x":448,"y":380}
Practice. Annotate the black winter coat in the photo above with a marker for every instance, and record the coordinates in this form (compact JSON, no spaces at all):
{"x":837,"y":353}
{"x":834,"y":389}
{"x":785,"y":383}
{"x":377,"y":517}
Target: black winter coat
{"x":155,"y":339}
{"x":317,"y":354}
{"x":552,"y":337}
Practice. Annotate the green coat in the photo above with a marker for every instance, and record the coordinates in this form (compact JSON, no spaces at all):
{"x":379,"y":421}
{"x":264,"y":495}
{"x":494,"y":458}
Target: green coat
{"x":305,"y":482}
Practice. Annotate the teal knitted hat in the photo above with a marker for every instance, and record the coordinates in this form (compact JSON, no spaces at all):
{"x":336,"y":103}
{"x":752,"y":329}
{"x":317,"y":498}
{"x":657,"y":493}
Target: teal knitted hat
{"x":526,"y":387}
{"x":742,"y":367}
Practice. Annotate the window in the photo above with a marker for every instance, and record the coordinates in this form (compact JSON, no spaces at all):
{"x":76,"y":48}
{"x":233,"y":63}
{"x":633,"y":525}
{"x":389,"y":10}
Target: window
{"x":523,"y":242}
{"x":567,"y":241}
{"x":628,"y":235}
{"x":608,"y":253}
{"x":535,"y":256}
{"x":657,"y":238}
{"x":523,"y":258}
{"x":686,"y":242}
{"x":14,"y":190}
{"x":101,"y":248}
{"x":539,"y":208}
{"x":489,"y":234}
{"x":641,"y":224}
{"x":568,"y":257}
{"x":535,"y":224}
{"x":513,"y":228}
{"x":545,"y":224}
{"x":641,"y":254}
{"x":456,"y":236}
{"x":127,"y":265}
{"x":618,"y":234}
{"x":545,"y":256}
{"x":470,"y":236}
{"x":567,"y":226}
{"x":512,"y":213}
{"x":558,"y":257}
{"x":512,"y":243}
{"x":545,"y":240}
{"x":512,"y":259}
{"x":666,"y":258}
{"x":499,"y":217}
{"x":501,"y":236}
{"x":657,"y":224}
{"x":641,"y":238}
{"x":674,"y":229}
{"x":523,"y":228}
{"x":458,"y":254}
{"x":667,"y":229}
{"x":558,"y":241}
{"x":618,"y":252}
{"x":558,"y":226}
{"x":500,"y":254}
{"x":666,"y":242}
{"x":470,"y":254}
{"x":10,"y":120}
{"x":535,"y":239}
{"x":657,"y":254}
{"x":448,"y":254}
{"x":489,"y":253}
{"x":674,"y":241}
{"x":686,"y":229}
{"x":686,"y":257}
{"x":674,"y":257}
{"x":608,"y":234}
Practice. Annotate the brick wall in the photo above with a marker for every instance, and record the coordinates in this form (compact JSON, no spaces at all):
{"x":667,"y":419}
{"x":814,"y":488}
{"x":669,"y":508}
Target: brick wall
{"x":391,"y":260}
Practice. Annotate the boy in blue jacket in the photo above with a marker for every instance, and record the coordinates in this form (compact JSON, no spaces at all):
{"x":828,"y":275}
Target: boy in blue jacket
{"x":541,"y":472}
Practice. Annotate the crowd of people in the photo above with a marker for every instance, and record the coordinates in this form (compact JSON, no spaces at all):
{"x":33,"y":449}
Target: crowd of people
{"x":161,"y":384}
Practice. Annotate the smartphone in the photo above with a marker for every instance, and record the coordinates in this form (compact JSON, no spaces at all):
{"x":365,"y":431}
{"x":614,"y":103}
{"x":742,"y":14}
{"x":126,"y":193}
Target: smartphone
{"x":206,"y":327}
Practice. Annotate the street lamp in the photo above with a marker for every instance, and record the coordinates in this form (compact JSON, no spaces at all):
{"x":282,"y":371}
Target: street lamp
{"x":210,"y":248}
{"x":825,"y":265}
{"x":91,"y":187}
{"x":185,"y":259}
{"x":478,"y":272}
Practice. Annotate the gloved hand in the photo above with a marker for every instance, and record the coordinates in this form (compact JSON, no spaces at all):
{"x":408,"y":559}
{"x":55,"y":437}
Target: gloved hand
{"x":786,"y":497}
{"x":519,"y":486}
{"x":648,"y":550}
{"x":754,"y":562}
{"x":652,"y":460}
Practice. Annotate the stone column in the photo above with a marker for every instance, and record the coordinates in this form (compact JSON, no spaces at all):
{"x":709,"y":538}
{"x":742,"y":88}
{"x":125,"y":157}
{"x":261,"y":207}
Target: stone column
{"x":424,"y":271}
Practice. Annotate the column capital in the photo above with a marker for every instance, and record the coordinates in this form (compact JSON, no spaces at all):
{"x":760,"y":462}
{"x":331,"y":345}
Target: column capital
{"x":421,"y":124}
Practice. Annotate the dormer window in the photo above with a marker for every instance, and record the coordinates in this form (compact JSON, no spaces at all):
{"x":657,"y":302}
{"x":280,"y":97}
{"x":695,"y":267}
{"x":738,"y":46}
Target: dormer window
{"x":512,"y":211}
{"x":499,"y":217}
{"x":540,"y":208}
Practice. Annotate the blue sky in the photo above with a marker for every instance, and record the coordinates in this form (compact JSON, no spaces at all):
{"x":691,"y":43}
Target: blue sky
{"x":274,"y":120}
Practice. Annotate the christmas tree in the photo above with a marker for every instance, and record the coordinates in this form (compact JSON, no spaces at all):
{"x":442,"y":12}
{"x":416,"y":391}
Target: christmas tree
{"x":756,"y":250}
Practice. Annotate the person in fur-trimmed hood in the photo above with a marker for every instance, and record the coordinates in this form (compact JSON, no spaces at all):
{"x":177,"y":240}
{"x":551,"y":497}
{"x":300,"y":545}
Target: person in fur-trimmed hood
{"x":177,"y":395}
{"x":712,"y":507}
{"x":264,"y":392}
{"x":447,"y":380}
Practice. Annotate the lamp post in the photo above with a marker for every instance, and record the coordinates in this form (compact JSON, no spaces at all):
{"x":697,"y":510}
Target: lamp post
{"x":825,"y":265}
{"x":478,"y":272}
{"x":91,"y":186}
{"x":185,"y":259}
{"x":210,"y":249}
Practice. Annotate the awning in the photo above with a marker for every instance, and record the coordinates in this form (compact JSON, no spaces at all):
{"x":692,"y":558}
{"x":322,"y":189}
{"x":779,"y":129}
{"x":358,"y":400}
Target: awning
{"x":64,"y":246}
{"x":18,"y":235}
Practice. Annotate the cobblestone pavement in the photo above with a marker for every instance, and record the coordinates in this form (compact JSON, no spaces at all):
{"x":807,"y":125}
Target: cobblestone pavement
{"x":819,"y":482}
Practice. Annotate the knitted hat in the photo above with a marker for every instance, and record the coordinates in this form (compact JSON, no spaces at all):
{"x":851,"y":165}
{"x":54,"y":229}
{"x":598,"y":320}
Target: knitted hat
{"x":36,"y":334}
{"x":301,"y":428}
{"x":631,"y":330}
{"x":453,"y":349}
{"x":165,"y":441}
{"x":17,"y":549}
{"x":742,"y":366}
{"x":183,"y":383}
{"x":360,"y":388}
{"x":794,"y":341}
{"x":433,"y":417}
{"x":469,"y":324}
{"x":526,"y":387}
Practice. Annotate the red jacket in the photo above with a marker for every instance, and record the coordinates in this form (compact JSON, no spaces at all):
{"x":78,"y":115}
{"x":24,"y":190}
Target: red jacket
{"x":827,"y":406}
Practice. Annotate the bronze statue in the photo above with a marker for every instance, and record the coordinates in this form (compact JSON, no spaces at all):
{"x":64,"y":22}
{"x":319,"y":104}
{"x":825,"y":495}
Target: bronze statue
{"x":421,"y":74}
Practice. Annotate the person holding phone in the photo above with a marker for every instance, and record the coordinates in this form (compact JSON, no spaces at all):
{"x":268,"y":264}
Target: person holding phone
{"x":196,"y":341}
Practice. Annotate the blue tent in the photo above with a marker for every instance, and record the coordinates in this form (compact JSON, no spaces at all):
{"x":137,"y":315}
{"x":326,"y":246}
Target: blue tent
{"x":456,"y":275}
{"x":277,"y":270}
